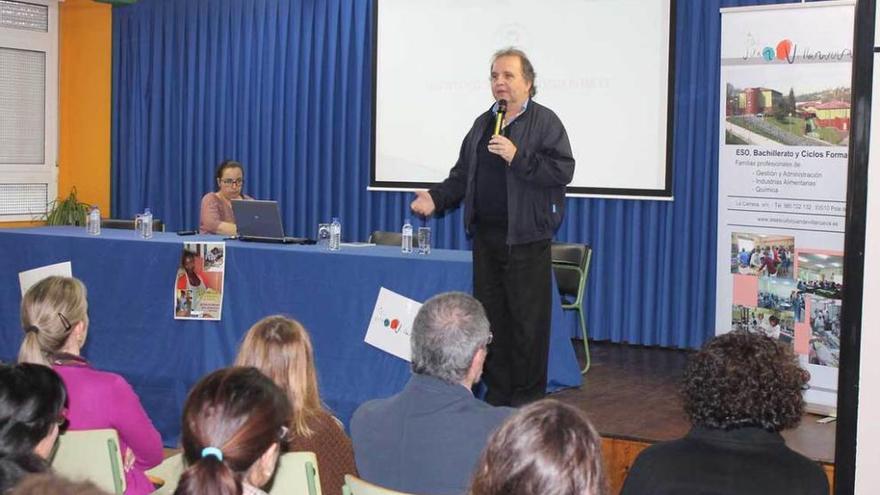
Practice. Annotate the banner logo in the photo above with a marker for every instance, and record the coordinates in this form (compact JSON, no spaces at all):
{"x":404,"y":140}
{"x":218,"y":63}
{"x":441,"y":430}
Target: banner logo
{"x":788,"y":51}
{"x":785,"y":50}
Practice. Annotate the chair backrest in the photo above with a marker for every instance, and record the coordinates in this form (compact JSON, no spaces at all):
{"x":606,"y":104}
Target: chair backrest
{"x":169,"y":472}
{"x":126,"y":224}
{"x":297,"y":473}
{"x":91,"y":455}
{"x":571,"y":263}
{"x":356,"y":486}
{"x":384,"y":238}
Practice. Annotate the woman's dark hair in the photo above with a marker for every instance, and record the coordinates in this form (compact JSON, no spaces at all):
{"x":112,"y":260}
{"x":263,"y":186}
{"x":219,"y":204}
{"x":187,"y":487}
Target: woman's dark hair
{"x":32,"y":398}
{"x":227,"y":164}
{"x":238,"y":411}
{"x":548,"y":448}
{"x":744,"y":379}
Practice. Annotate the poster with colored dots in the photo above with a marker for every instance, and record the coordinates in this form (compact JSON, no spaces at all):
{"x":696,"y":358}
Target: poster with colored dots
{"x":391,"y":323}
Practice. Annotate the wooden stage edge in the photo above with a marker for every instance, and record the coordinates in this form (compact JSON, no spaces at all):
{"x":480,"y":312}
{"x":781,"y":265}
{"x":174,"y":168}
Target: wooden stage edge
{"x":631,"y":395}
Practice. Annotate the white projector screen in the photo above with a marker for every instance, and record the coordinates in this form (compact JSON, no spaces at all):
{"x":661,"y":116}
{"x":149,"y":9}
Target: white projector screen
{"x":602,"y":65}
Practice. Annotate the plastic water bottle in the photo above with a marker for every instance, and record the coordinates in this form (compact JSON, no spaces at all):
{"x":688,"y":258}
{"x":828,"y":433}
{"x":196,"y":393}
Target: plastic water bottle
{"x":147,"y":233}
{"x":406,"y":236}
{"x":93,"y":221}
{"x":335,"y":234}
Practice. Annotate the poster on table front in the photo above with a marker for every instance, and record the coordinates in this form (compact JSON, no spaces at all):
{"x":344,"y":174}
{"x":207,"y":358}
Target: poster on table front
{"x":198,"y":283}
{"x":784,"y":134}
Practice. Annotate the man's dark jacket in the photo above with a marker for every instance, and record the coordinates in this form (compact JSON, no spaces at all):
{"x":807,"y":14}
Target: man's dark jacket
{"x":536,"y":178}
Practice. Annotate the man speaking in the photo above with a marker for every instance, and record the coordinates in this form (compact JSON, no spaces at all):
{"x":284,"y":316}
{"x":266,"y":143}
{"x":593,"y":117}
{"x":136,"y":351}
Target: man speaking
{"x":511,"y":172}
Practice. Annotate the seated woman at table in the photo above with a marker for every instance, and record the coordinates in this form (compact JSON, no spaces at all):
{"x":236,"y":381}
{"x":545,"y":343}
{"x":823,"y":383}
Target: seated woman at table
{"x":216,"y":215}
{"x":233,"y":422}
{"x":280,"y":347}
{"x":739,"y":392}
{"x":54,"y":314}
{"x":31,"y":412}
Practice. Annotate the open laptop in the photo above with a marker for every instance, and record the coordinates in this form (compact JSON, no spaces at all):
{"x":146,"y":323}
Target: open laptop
{"x":260,"y":221}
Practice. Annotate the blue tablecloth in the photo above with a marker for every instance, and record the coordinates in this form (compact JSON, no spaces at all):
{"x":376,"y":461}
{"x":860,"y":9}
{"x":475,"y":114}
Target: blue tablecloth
{"x":133,"y":332}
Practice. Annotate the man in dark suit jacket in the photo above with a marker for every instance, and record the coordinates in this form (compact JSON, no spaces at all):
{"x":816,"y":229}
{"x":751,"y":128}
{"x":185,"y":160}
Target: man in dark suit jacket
{"x":427,"y":438}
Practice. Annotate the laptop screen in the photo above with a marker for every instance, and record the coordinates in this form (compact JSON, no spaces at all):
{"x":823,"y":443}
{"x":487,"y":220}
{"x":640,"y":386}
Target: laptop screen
{"x":257,"y":218}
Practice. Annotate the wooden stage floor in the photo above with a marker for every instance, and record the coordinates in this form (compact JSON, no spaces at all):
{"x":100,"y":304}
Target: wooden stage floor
{"x":630,"y":393}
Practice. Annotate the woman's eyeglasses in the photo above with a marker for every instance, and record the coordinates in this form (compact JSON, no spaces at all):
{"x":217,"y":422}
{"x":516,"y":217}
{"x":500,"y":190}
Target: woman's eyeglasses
{"x":232,"y":182}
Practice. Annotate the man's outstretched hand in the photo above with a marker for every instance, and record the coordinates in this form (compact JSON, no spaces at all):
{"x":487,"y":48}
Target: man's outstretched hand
{"x":423,"y":204}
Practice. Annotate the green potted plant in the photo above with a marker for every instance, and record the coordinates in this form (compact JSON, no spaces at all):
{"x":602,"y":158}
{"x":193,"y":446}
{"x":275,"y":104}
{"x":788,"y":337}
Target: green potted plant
{"x":67,"y":211}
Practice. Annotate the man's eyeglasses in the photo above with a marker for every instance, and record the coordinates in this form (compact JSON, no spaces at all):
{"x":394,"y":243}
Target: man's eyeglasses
{"x":232,"y":182}
{"x":489,"y":340}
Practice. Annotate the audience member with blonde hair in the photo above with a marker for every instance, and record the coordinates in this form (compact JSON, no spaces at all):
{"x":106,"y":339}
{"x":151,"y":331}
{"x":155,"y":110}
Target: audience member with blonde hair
{"x":31,"y":412}
{"x":234,"y":420}
{"x":54,"y":316}
{"x":280,"y":347}
{"x":547,"y":447}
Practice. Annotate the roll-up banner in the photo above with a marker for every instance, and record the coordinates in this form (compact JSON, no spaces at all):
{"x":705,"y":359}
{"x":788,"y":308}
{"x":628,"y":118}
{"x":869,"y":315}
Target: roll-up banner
{"x":782,"y":160}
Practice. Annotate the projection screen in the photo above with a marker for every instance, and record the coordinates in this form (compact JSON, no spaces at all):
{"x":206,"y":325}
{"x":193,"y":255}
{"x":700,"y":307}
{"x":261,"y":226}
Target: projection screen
{"x":602,"y":65}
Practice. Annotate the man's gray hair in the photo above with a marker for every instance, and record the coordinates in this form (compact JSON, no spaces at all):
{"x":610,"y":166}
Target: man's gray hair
{"x":448,"y":331}
{"x":527,"y":68}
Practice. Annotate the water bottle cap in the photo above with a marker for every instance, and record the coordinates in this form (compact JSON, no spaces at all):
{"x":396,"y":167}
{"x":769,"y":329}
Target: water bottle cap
{"x":146,"y":211}
{"x":335,"y":219}
{"x":406,"y":222}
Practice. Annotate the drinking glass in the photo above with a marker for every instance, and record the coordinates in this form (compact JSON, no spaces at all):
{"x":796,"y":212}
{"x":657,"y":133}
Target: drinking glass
{"x":424,"y":237}
{"x":323,"y":235}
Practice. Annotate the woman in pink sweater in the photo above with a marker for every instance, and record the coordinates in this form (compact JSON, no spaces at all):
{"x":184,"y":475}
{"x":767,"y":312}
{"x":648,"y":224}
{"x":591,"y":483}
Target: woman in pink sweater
{"x":54,"y":315}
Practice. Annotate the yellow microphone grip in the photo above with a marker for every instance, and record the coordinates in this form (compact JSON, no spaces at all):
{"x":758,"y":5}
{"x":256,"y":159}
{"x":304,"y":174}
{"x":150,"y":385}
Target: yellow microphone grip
{"x":499,"y":117}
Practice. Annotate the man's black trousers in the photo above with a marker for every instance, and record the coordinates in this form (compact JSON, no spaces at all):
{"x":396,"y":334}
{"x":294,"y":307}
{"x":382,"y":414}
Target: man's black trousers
{"x":514,"y":284}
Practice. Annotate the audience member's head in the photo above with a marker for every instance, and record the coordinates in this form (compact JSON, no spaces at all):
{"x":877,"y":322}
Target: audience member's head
{"x":742,"y":379}
{"x":233,"y":422}
{"x":546,"y":447}
{"x":449,"y":338}
{"x":54,"y":316}
{"x":32,"y":399}
{"x":52,"y":484}
{"x":280,"y":347}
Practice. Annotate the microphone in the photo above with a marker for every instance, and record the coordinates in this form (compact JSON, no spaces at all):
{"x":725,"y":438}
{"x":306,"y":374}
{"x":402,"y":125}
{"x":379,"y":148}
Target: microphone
{"x":499,"y":116}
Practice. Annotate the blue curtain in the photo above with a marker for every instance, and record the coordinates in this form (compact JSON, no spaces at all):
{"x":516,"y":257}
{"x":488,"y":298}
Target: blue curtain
{"x":284,"y":86}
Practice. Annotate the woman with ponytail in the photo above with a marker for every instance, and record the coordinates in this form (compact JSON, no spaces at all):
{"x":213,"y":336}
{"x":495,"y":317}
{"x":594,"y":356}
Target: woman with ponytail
{"x":54,"y":316}
{"x":234,"y":421}
{"x":31,"y":405}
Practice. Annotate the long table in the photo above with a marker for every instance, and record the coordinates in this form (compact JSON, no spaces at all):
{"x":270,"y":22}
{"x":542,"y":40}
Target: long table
{"x":132,"y":330}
